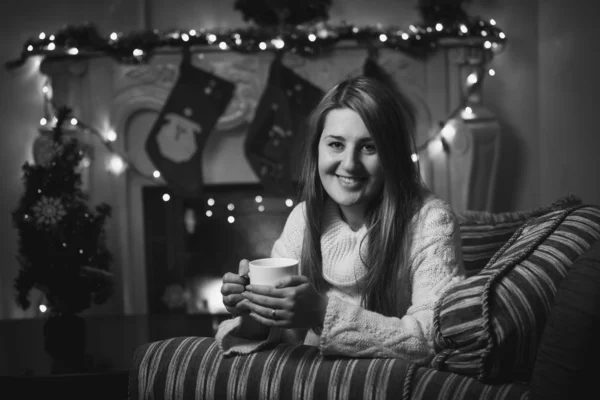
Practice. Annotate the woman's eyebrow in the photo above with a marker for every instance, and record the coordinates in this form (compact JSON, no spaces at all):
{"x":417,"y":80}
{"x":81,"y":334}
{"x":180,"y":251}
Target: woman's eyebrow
{"x":336,"y":137}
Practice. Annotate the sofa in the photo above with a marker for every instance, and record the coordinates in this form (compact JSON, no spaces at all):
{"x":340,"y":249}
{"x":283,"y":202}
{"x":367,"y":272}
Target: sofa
{"x":523,"y":325}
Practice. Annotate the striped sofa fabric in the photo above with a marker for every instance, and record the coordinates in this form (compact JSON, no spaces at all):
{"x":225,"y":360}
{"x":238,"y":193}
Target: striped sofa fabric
{"x":483,"y":233}
{"x":489,"y":326}
{"x":194,"y":368}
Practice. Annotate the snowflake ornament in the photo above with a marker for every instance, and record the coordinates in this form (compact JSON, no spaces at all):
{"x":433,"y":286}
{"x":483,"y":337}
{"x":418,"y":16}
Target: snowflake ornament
{"x":49,"y":211}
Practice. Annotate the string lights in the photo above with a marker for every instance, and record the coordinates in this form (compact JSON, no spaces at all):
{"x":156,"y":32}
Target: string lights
{"x":419,"y":40}
{"x":84,"y":41}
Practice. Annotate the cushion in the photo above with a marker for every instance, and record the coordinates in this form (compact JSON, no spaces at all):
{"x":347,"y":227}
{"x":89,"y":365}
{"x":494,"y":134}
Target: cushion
{"x":489,"y":325}
{"x":483,"y":233}
{"x":568,"y":360}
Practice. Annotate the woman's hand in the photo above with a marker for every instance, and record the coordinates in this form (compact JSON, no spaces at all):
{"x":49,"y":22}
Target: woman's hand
{"x":232,"y":288}
{"x":292,"y":303}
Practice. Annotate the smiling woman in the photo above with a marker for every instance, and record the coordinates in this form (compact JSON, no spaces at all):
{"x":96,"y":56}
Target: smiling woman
{"x":375,"y":247}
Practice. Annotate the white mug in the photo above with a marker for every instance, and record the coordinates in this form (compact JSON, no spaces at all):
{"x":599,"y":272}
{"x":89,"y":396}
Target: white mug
{"x":268,"y":271}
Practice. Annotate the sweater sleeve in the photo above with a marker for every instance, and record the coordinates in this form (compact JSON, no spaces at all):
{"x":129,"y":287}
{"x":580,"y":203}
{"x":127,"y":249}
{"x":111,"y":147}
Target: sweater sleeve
{"x":231,"y":335}
{"x":436,"y":264}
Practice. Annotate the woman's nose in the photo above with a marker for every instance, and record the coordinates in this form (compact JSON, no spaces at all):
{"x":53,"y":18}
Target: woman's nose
{"x":350,"y":160}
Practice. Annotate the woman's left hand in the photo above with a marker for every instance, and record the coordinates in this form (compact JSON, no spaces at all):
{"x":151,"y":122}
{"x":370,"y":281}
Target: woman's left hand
{"x":293,"y":303}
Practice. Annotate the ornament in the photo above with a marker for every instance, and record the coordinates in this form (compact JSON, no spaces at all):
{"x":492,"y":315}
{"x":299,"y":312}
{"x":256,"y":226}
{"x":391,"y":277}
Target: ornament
{"x":49,"y":211}
{"x":45,"y":150}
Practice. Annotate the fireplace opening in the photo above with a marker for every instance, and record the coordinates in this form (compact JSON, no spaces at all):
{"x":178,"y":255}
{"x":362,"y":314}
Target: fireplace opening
{"x":191,"y":243}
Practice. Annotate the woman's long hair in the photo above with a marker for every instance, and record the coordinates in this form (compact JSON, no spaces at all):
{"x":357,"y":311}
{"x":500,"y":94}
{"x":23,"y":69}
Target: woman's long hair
{"x":390,"y":119}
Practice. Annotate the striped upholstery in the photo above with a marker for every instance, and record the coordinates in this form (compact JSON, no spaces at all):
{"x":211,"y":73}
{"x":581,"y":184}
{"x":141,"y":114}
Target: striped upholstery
{"x":194,"y":368}
{"x":430,"y":384}
{"x":489,"y":325}
{"x":483,"y":234}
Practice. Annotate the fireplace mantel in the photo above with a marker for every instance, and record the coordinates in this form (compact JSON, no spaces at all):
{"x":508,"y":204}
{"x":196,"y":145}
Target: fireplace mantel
{"x":127,"y":99}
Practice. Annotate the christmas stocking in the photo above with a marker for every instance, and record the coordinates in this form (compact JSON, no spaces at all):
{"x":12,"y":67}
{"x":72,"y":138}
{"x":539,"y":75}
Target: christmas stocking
{"x":279,"y":126}
{"x":190,"y":113}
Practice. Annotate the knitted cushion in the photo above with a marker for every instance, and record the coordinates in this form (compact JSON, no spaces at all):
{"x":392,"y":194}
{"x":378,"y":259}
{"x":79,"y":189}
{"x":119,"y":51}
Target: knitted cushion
{"x":489,"y":325}
{"x":483,"y":233}
{"x":195,"y":368}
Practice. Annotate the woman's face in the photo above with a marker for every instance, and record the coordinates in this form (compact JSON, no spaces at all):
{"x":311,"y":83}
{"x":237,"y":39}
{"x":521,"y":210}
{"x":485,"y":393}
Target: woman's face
{"x":348,"y":163}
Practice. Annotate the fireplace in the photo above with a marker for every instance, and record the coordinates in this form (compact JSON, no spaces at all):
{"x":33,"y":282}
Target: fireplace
{"x":160,"y":247}
{"x":192,"y":243}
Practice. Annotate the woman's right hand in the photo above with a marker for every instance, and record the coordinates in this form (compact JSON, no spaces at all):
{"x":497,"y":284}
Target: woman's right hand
{"x":232,"y":288}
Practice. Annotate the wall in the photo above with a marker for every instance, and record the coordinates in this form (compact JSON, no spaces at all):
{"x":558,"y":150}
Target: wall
{"x":542,"y":92}
{"x":569,"y":57}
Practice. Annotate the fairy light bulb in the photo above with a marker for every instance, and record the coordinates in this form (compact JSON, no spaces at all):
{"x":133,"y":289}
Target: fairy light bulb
{"x":51,"y":46}
{"x":209,"y":213}
{"x":138,"y":52}
{"x":463,"y":28}
{"x":166,"y":197}
{"x":448,"y":132}
{"x":231,"y":219}
{"x":439,"y":27}
{"x":414,"y":157}
{"x":258,"y":199}
{"x":312,"y":37}
{"x":43,"y":121}
{"x":492,"y":72}
{"x":211,"y":38}
{"x":230,"y":207}
{"x":278,"y":43}
{"x":111,"y":136}
{"x":492,"y":21}
{"x":156,"y":174}
{"x":185,"y":37}
{"x":262,"y":46}
{"x":405,"y":36}
{"x":223,"y":46}
{"x":74,"y":121}
{"x":114,"y":36}
{"x":116,"y":165}
{"x":383,"y":37}
{"x":436,"y":146}
{"x":472,"y":79}
{"x":73,"y":51}
{"x":210,"y":202}
{"x":42,"y":36}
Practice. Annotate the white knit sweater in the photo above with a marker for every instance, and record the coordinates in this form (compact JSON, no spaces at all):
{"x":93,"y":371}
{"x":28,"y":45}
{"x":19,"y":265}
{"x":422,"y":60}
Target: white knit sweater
{"x":436,"y":264}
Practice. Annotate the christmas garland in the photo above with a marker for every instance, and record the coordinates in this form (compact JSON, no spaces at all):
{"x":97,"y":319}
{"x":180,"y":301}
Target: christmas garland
{"x":419,"y":40}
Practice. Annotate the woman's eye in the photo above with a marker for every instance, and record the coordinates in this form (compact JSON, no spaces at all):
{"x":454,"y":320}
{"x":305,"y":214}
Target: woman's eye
{"x":336,"y":145}
{"x":369,"y":148}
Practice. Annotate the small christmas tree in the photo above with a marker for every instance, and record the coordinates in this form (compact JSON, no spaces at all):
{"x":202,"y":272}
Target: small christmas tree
{"x":62,"y":249}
